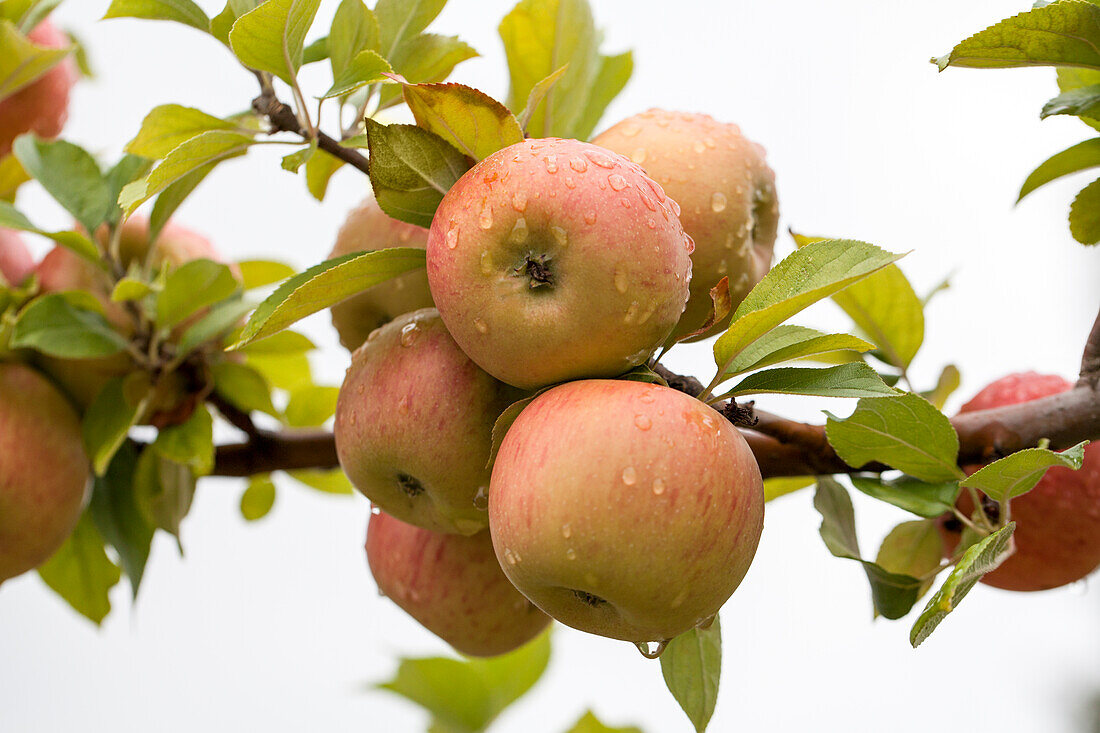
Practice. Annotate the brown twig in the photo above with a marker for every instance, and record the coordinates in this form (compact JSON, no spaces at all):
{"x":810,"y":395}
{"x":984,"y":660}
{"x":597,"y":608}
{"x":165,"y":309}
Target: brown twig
{"x":1090,"y":360}
{"x":283,"y":119}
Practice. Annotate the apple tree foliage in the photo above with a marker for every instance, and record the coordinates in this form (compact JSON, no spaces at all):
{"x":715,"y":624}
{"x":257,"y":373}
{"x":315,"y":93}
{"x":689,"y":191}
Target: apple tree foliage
{"x":561,"y":81}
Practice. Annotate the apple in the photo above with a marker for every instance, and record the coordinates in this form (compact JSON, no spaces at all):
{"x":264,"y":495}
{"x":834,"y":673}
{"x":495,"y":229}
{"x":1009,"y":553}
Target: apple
{"x":15,"y":259}
{"x":414,"y":423}
{"x":555,"y":259}
{"x":1058,"y":522}
{"x":625,"y":509}
{"x":726,"y":193}
{"x":368,"y":229}
{"x":43,"y":470}
{"x":42,"y":106}
{"x":452,"y":585}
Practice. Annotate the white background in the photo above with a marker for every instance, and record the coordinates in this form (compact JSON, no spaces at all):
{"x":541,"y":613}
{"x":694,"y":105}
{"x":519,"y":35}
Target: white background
{"x":277,"y":626}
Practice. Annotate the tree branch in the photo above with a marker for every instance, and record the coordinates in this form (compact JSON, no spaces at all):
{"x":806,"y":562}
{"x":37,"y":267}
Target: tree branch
{"x":1090,"y":361}
{"x":283,"y":119}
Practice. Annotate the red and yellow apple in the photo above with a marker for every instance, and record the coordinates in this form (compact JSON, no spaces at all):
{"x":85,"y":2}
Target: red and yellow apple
{"x":15,"y":259}
{"x":43,"y":470}
{"x":452,"y":585}
{"x":555,"y":259}
{"x":42,"y":106}
{"x":726,"y":193}
{"x":414,"y":423}
{"x":368,"y":229}
{"x":625,"y":509}
{"x":1058,"y":522}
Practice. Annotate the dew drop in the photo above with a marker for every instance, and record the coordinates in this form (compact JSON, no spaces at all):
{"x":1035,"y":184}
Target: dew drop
{"x":486,"y":218}
{"x":409,"y":333}
{"x":452,"y":238}
{"x":617,"y":182}
{"x":723,"y":267}
{"x":566,"y":531}
{"x":569,"y":182}
{"x":680,"y":597}
{"x":579,"y":164}
{"x":571,"y":554}
{"x":651,"y":223}
{"x":631,"y":313}
{"x":481,"y":326}
{"x":631,"y":130}
{"x":551,"y":164}
{"x":689,"y":243}
{"x":642,"y":422}
{"x":486,"y":262}
{"x":709,"y":142}
{"x":481,"y":498}
{"x":518,"y":235}
{"x":658,"y":487}
{"x":638,"y":156}
{"x":374,"y":510}
{"x":646,"y":398}
{"x":621,"y":281}
{"x":717,"y":202}
{"x":698,"y":146}
{"x":630,"y":476}
{"x":625,"y":202}
{"x":519,"y":201}
{"x":652,"y":649}
{"x":590,"y":217}
{"x":403,"y":405}
{"x":559,"y":236}
{"x":600,"y":159}
{"x":509,"y":556}
{"x":405,"y":235}
{"x":705,"y":623}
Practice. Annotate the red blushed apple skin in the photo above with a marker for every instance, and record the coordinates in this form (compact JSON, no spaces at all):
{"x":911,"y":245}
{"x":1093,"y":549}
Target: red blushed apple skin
{"x":617,"y":257}
{"x":452,"y":585}
{"x":1057,"y":522}
{"x":42,"y":106}
{"x":726,"y":193}
{"x":413,"y":406}
{"x":367,"y":229}
{"x":43,"y":470}
{"x":15,"y":259}
{"x":642,"y":499}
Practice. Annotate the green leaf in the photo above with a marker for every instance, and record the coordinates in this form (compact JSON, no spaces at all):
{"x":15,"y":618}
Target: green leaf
{"x":354,"y":29}
{"x":946,"y":385}
{"x":181,"y":11}
{"x":801,"y":279}
{"x":326,"y":284}
{"x":315,"y":51}
{"x":1081,"y":102}
{"x":205,"y":149}
{"x":428,"y":57}
{"x":117,"y":515}
{"x":319,"y":169}
{"x":70,"y":175}
{"x":1073,"y":159}
{"x":905,"y":432}
{"x":399,"y":21}
{"x":21,"y":61}
{"x":910,"y":494}
{"x":612,"y":76}
{"x":271,"y":37}
{"x":11,"y":218}
{"x":893,"y":594}
{"x":541,"y":36}
{"x":53,"y":325}
{"x":589,"y":723}
{"x":1084,"y":214}
{"x":284,"y":342}
{"x":783,"y":485}
{"x":257,"y":273}
{"x":1065,"y":33}
{"x":913,"y":549}
{"x":289,"y":372}
{"x":470,"y":120}
{"x":468,"y":695}
{"x":504,"y":422}
{"x":844,"y":380}
{"x":258,"y":498}
{"x":538,"y":94}
{"x":81,"y":573}
{"x":366,"y":67}
{"x":332,"y":481}
{"x":190,"y":443}
{"x":165,"y":490}
{"x":692,"y":666}
{"x":979,"y":559}
{"x":411,"y":169}
{"x":784,"y":343}
{"x":243,"y":387}
{"x":311,"y":406}
{"x":221,"y":319}
{"x":298,"y":158}
{"x":107,"y":422}
{"x":129,"y":288}
{"x":12,"y":176}
{"x":128,"y":169}
{"x":168,"y":126}
{"x":1018,"y":473}
{"x":27,"y":14}
{"x":1070,"y":78}
{"x":191,"y":287}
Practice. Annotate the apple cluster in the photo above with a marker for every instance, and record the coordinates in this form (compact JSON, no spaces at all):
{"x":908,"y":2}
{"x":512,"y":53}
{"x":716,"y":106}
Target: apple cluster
{"x":516,"y":474}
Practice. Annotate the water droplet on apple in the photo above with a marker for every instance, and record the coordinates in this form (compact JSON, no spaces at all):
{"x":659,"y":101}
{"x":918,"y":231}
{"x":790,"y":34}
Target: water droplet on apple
{"x":374,"y":510}
{"x":551,"y":164}
{"x":603,"y":160}
{"x":631,"y":130}
{"x":625,"y":202}
{"x":559,"y":236}
{"x":409,"y":333}
{"x":642,"y":422}
{"x":706,"y":623}
{"x":631,"y":313}
{"x":723,"y":267}
{"x":652,"y":649}
{"x":452,"y":238}
{"x":680,"y":597}
{"x":651,"y":224}
{"x":638,"y":156}
{"x":486,"y":262}
{"x":518,"y":235}
{"x":569,"y":182}
{"x":566,"y":531}
{"x":617,"y":182}
{"x":709,"y":142}
{"x":510,"y":557}
{"x":405,"y":235}
{"x":621,"y":280}
{"x":403,"y":405}
{"x":571,"y":554}
{"x":689,"y":243}
{"x":590,"y":217}
{"x":646,"y":398}
{"x":486,"y":218}
{"x":481,"y":498}
{"x":630,"y":476}
{"x":579,"y":164}
{"x":481,"y":326}
{"x":658,"y":487}
{"x":519,"y":201}
{"x":717,"y":202}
